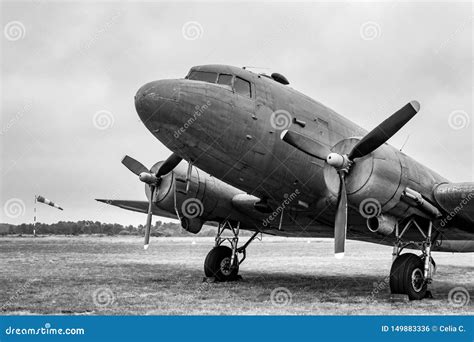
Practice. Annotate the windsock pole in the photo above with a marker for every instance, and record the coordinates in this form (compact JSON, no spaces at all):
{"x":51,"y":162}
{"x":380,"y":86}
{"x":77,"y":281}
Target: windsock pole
{"x":34,"y":220}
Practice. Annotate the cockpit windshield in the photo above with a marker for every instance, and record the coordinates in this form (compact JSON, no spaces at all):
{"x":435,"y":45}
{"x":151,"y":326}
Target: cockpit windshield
{"x":225,"y":79}
{"x":205,"y":76}
{"x":231,"y":82}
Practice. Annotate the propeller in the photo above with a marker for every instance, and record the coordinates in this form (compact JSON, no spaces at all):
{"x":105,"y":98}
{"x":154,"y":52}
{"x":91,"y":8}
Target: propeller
{"x":153,"y":180}
{"x":342,"y":162}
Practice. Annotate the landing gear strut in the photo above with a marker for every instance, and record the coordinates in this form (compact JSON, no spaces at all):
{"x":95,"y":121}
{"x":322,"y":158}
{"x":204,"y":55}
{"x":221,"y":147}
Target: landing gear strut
{"x":222,"y":262}
{"x":410,"y":274}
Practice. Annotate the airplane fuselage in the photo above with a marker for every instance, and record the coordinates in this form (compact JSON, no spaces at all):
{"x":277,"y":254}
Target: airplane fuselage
{"x":231,"y":129}
{"x":266,"y":158}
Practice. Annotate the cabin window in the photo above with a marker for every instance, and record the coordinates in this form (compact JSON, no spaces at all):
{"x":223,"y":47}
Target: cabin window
{"x":225,"y":79}
{"x":205,"y":76}
{"x":242,"y":87}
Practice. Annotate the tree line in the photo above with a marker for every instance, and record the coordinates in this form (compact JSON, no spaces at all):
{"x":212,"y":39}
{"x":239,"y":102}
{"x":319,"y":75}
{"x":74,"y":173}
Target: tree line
{"x":99,"y":228}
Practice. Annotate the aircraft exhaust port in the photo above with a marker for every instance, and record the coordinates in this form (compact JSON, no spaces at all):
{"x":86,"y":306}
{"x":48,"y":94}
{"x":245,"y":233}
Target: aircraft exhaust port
{"x":382,"y":224}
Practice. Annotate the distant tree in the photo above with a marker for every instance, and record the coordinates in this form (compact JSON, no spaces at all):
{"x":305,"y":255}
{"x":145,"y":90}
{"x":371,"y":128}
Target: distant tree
{"x":159,"y":228}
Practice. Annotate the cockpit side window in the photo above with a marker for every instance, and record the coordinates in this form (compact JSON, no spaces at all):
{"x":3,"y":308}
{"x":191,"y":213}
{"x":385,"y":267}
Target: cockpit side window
{"x":225,"y":79}
{"x":205,"y":76}
{"x":242,"y":87}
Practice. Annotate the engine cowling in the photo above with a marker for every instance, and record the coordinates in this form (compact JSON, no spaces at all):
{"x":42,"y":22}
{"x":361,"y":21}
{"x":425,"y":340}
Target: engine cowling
{"x":197,"y":200}
{"x":376,"y":176}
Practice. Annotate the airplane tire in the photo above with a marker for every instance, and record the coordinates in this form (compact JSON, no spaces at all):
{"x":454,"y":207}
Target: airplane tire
{"x":217,"y":264}
{"x":406,"y":276}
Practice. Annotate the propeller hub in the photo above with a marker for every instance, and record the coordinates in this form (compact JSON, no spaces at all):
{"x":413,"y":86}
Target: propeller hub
{"x":147,"y":177}
{"x":357,"y":172}
{"x":335,"y":160}
{"x":153,"y":179}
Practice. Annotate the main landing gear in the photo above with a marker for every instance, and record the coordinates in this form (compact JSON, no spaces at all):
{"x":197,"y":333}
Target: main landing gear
{"x":410,"y":274}
{"x":222,"y":262}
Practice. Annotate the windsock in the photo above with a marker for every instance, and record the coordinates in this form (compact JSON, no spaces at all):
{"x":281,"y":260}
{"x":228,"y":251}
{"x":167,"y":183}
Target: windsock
{"x":41,"y":199}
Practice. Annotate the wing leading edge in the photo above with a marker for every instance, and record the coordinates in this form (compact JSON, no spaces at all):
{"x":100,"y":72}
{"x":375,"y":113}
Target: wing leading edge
{"x":138,"y":206}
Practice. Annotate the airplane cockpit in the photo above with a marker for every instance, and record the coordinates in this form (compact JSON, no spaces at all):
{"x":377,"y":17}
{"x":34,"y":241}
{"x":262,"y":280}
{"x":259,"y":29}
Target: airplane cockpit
{"x":224,"y":78}
{"x":239,"y":80}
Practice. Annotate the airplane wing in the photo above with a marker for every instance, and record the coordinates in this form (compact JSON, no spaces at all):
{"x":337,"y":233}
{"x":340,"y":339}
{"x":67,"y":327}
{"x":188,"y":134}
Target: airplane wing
{"x":138,"y":206}
{"x":457,"y":199}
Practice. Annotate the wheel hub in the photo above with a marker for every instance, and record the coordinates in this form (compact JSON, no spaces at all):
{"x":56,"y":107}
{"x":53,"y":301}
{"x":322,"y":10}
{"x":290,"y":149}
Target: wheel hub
{"x":226,"y":268}
{"x":417,"y":279}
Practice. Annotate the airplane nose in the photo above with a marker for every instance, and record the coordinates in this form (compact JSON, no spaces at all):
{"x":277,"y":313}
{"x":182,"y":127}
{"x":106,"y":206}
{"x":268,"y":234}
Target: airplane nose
{"x":155,"y":100}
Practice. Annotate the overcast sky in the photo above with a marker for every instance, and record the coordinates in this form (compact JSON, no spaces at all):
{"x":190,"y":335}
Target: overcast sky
{"x":69,"y":73}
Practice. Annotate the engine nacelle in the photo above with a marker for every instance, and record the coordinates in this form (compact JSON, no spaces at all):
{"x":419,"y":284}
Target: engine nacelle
{"x":382,"y":224}
{"x":196,"y":200}
{"x":376,"y":175}
{"x":192,"y":225}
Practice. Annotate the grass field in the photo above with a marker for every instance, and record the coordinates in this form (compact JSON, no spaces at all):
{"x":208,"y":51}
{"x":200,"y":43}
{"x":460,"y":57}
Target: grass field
{"x":113,"y":275}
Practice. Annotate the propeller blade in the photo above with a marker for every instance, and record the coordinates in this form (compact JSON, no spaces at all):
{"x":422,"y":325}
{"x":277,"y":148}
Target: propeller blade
{"x":134,"y":165}
{"x":380,"y":134}
{"x":340,"y":223}
{"x":148,"y":218}
{"x":305,"y":144}
{"x":169,"y":164}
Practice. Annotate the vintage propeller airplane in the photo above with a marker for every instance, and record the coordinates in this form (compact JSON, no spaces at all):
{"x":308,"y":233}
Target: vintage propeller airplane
{"x":263,"y":157}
